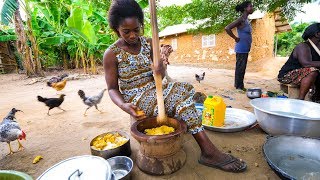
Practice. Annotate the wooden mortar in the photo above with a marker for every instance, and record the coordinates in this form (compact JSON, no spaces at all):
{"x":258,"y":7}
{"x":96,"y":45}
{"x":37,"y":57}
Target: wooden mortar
{"x":161,"y":154}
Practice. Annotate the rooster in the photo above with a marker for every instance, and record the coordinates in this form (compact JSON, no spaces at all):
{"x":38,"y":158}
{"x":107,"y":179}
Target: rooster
{"x":52,"y":102}
{"x":91,"y":100}
{"x":200,"y":77}
{"x":56,"y":79}
{"x":11,"y":131}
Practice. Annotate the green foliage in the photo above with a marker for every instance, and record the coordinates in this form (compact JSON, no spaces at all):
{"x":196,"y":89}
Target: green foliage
{"x":218,"y":14}
{"x":7,"y":35}
{"x":168,"y":16}
{"x":7,"y":11}
{"x":288,"y":40}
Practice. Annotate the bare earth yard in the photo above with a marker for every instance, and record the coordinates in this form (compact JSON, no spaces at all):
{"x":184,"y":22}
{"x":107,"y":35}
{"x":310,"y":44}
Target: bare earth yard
{"x":66,"y":134}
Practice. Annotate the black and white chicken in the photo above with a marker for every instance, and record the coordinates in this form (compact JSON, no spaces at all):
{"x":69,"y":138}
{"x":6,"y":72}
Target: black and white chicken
{"x":91,"y":100}
{"x":200,"y":77}
{"x":11,"y":131}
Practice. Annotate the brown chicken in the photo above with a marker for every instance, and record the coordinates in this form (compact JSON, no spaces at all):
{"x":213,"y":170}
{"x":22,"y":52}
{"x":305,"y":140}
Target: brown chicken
{"x":59,"y":85}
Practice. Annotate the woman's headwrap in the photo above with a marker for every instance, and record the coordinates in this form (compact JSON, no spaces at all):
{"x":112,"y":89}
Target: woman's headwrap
{"x":310,"y":31}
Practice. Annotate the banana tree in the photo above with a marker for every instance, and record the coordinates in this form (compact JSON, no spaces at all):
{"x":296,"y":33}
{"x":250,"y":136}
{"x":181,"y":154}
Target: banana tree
{"x":81,"y":27}
{"x":50,"y":28}
{"x":10,"y":13}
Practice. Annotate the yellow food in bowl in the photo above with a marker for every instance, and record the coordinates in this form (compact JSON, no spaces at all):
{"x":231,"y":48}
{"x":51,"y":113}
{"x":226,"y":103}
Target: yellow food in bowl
{"x":162,"y":130}
{"x":108,"y":141}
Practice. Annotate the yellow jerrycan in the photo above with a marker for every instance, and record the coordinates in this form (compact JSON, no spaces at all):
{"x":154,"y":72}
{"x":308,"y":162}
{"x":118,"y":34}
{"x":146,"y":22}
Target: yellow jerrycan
{"x":214,"y":111}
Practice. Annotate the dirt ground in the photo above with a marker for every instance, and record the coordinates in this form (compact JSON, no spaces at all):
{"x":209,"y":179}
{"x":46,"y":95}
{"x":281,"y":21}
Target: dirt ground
{"x":66,"y":134}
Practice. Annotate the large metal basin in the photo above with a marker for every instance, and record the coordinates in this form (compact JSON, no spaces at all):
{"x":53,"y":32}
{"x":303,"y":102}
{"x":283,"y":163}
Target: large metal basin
{"x":293,"y":157}
{"x":279,"y":116}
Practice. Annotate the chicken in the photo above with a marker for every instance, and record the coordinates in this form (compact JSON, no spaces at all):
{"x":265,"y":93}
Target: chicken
{"x":59,"y":85}
{"x":91,"y":100}
{"x":52,"y":102}
{"x":56,"y":79}
{"x":200,"y":77}
{"x":11,"y":131}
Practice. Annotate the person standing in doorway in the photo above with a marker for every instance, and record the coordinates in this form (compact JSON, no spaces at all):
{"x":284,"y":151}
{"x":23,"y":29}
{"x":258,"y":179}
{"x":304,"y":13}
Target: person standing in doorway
{"x":243,"y":41}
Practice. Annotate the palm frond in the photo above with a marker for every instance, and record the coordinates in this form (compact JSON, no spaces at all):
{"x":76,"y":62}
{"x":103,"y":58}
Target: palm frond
{"x":7,"y":11}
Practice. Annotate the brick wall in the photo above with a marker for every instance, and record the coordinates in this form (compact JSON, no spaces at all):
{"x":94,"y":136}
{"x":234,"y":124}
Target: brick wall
{"x":190,"y":46}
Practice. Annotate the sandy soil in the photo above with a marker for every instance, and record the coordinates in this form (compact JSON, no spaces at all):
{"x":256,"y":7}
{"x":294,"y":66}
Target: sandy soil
{"x":66,"y":134}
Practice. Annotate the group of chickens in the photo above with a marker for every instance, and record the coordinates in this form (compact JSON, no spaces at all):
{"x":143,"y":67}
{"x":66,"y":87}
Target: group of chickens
{"x":9,"y":127}
{"x":59,"y":83}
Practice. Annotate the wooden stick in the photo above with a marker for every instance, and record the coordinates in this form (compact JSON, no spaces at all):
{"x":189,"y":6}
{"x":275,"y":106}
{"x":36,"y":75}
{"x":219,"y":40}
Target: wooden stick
{"x":156,"y":58}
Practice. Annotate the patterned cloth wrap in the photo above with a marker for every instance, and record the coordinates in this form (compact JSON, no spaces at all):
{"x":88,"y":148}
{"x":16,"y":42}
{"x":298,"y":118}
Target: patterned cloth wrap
{"x":137,"y":86}
{"x":165,"y":51}
{"x":295,"y":76}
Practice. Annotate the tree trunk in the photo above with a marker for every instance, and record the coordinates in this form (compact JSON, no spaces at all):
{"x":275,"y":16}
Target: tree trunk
{"x":22,"y":46}
{"x":93,"y":65}
{"x":77,"y":60}
{"x":84,"y":63}
{"x":65,"y":62}
{"x":37,"y":64}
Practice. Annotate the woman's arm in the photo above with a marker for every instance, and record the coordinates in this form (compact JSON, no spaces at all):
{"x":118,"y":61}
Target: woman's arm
{"x":110,"y":66}
{"x":157,"y":68}
{"x":303,"y":54}
{"x":232,"y":25}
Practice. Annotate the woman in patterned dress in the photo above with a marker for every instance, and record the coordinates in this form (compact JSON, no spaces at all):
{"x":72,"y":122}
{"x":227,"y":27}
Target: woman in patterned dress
{"x":131,"y":85}
{"x":302,"y":67}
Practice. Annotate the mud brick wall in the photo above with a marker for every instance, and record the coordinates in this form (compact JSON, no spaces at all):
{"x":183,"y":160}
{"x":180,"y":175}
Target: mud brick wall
{"x":190,"y":46}
{"x":7,"y":57}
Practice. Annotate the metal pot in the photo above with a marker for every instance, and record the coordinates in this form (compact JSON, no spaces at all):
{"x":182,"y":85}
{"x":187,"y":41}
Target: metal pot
{"x":293,"y":157}
{"x":121,"y":167}
{"x":254,"y":93}
{"x":124,"y":150}
{"x":79,"y":167}
{"x":281,"y":116}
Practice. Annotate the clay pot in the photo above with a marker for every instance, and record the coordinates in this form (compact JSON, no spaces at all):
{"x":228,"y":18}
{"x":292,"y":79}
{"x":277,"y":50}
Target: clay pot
{"x":161,"y":154}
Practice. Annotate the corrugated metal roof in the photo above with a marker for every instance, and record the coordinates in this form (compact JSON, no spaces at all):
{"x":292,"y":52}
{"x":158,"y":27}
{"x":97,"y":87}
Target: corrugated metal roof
{"x":256,"y":15}
{"x":175,"y":29}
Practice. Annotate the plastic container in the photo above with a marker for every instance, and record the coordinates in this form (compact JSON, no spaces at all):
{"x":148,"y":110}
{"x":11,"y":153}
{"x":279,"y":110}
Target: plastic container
{"x":214,"y":111}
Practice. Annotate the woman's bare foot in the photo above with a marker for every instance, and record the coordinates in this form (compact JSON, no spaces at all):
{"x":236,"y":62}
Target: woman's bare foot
{"x":225,"y":162}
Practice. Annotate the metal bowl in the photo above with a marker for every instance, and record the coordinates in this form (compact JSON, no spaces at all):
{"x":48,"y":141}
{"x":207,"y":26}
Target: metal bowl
{"x":121,"y":167}
{"x":279,"y":116}
{"x":253,"y":93}
{"x":293,"y":157}
{"x":124,"y":150}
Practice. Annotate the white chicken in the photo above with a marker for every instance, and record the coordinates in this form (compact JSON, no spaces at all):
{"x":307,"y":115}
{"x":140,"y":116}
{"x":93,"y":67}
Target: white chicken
{"x":11,"y":131}
{"x":91,"y":100}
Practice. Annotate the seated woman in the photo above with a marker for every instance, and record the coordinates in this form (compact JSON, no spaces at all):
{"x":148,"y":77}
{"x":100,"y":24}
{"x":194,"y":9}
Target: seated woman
{"x":302,"y":67}
{"x":131,"y":85}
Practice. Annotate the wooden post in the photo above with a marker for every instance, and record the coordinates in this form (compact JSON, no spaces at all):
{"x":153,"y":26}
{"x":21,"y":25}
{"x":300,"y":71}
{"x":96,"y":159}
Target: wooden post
{"x":276,"y":46}
{"x":156,"y":58}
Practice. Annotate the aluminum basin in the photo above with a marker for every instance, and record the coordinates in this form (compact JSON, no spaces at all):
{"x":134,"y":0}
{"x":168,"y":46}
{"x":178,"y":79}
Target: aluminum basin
{"x":293,"y":157}
{"x":279,"y":116}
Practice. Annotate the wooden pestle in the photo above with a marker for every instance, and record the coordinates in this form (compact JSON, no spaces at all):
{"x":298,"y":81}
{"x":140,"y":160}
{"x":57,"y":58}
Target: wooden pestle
{"x":162,"y":118}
